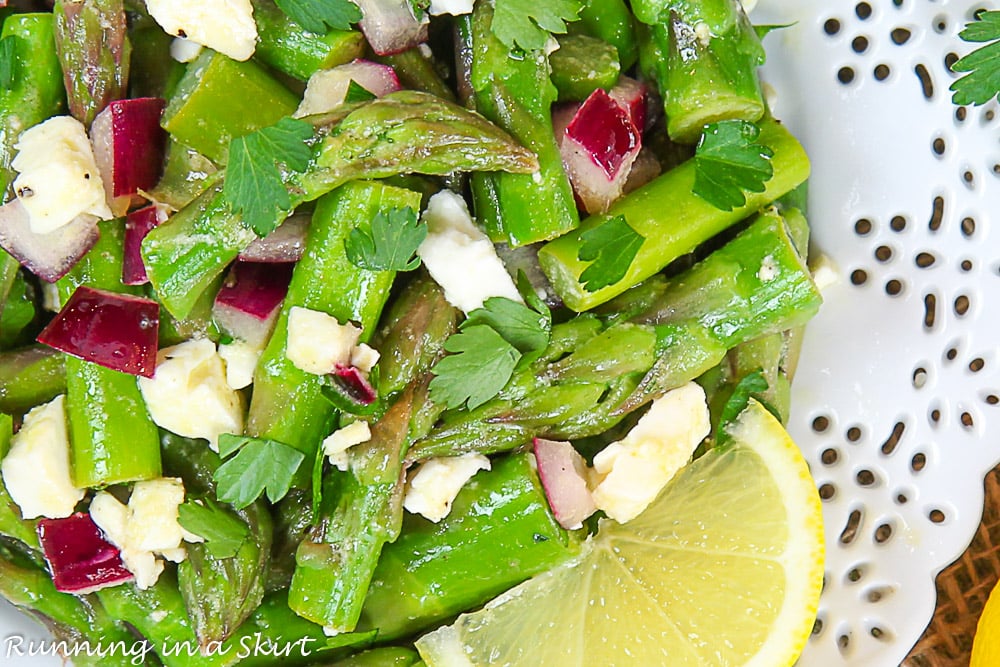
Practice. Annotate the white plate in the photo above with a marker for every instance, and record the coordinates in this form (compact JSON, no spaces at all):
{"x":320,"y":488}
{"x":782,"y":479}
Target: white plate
{"x":899,"y":179}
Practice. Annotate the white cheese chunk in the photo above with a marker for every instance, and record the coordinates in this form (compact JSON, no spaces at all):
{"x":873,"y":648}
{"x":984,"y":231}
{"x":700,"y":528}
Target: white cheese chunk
{"x":460,"y":257}
{"x":184,"y":50}
{"x":364,"y":358}
{"x":336,"y":444}
{"x":630,"y":473}
{"x":58,"y":179}
{"x":241,"y":362}
{"x":36,"y":469}
{"x":227,"y":26}
{"x":189,"y":395}
{"x":432,"y":488}
{"x":453,"y":7}
{"x":824,"y":270}
{"x":146,"y":531}
{"x":317,"y":342}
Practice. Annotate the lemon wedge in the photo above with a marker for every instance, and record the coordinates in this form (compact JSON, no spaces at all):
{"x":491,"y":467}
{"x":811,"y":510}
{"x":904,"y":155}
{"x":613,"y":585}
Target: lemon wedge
{"x":724,"y":568}
{"x":986,"y":643}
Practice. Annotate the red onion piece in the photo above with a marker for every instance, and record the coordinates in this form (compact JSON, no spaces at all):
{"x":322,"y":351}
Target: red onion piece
{"x":128,"y":146}
{"x":355,"y":384}
{"x":598,"y":143}
{"x":284,"y":244}
{"x":631,"y":95}
{"x":563,"y":474}
{"x":137,"y":225}
{"x":118,"y":331}
{"x":248,"y":301}
{"x":49,"y":256}
{"x":390,"y":25}
{"x":80,"y":559}
{"x":376,"y":78}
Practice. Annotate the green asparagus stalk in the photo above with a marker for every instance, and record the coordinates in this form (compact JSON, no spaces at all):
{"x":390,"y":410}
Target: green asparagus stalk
{"x":36,"y":92}
{"x":18,"y":314}
{"x":219,"y":593}
{"x":186,"y":174}
{"x":288,"y":404}
{"x":292,"y":521}
{"x":94,"y":51}
{"x":220,"y":98}
{"x":706,"y":55}
{"x":30,"y":376}
{"x":517,"y":94}
{"x":581,"y":65}
{"x":611,"y":21}
{"x":12,"y":526}
{"x":286,"y":47}
{"x":112,"y":437}
{"x":363,"y":507}
{"x":399,"y":133}
{"x":152,"y":73}
{"x":672,"y":220}
{"x":416,"y":71}
{"x":383,"y":656}
{"x":91,"y":634}
{"x":754,"y":285}
{"x":499,"y":532}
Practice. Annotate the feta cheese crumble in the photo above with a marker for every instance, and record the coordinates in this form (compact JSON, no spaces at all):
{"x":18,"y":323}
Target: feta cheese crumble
{"x":336,"y":444}
{"x":241,"y":362}
{"x":317,"y":342}
{"x":460,"y":257}
{"x":227,"y":26}
{"x":630,"y":473}
{"x":189,"y":394}
{"x":146,"y":531}
{"x":431,"y":490}
{"x":58,"y":179}
{"x":36,"y":469}
{"x":453,"y":7}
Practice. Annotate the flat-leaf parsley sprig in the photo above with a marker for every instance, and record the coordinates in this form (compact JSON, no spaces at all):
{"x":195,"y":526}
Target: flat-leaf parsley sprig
{"x":730,"y":163}
{"x":611,"y":247}
{"x":981,"y":68}
{"x":391,"y":243}
{"x":528,"y":24}
{"x":318,"y":15}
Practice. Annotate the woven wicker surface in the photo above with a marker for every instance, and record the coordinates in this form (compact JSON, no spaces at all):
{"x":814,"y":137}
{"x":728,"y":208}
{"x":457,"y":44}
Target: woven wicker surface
{"x":962,"y":590}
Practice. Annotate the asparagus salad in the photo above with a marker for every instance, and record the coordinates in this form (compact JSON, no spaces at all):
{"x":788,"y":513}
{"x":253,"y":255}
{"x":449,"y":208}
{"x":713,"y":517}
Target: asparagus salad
{"x":325,"y":322}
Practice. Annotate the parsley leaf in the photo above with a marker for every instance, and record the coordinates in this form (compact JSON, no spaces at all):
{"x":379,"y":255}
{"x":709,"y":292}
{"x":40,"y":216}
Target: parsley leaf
{"x":316,"y":15}
{"x":752,"y":384}
{"x":982,"y":81}
{"x":259,"y":466}
{"x":611,"y":246}
{"x":253,"y":182}
{"x":224,"y":533}
{"x":728,"y":164}
{"x":480,"y":365}
{"x":527,"y":24}
{"x":357,"y":93}
{"x":8,"y":61}
{"x":525,"y":329}
{"x":392,"y":243}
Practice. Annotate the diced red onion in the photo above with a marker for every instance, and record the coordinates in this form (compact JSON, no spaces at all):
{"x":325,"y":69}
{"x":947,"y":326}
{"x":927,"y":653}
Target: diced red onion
{"x":128,"y":147}
{"x":645,"y":168}
{"x":137,"y":225}
{"x":355,"y":384}
{"x":80,"y":559}
{"x":248,"y":301}
{"x":118,"y":331}
{"x":49,"y":256}
{"x":390,"y":25}
{"x":562,"y":472}
{"x":632,"y":96}
{"x":284,"y":244}
{"x":598,"y":146}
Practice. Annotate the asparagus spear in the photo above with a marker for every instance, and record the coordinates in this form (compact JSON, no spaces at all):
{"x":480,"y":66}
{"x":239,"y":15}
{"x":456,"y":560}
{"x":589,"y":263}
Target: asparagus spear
{"x":704,"y":56}
{"x":611,"y":21}
{"x":112,"y":438}
{"x":671,"y":219}
{"x":581,"y":65}
{"x":30,"y":376}
{"x":399,"y":133}
{"x":362,"y":508}
{"x":36,"y":92}
{"x":219,"y":593}
{"x":12,"y":526}
{"x":499,"y":532}
{"x":288,"y":405}
{"x":285,"y":46}
{"x":671,"y":333}
{"x":94,"y":51}
{"x":517,"y":94}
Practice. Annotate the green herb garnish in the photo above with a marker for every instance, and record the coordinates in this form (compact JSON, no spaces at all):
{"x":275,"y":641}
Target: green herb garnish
{"x":259,"y":466}
{"x":392,"y":243}
{"x":528,"y":24}
{"x":318,"y":15}
{"x":729,"y":163}
{"x":610,"y":247}
{"x":224,"y":533}
{"x":981,"y":82}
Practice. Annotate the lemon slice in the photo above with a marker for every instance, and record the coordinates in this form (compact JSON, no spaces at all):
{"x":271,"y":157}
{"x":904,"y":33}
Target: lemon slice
{"x":724,"y":568}
{"x":986,"y":643}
